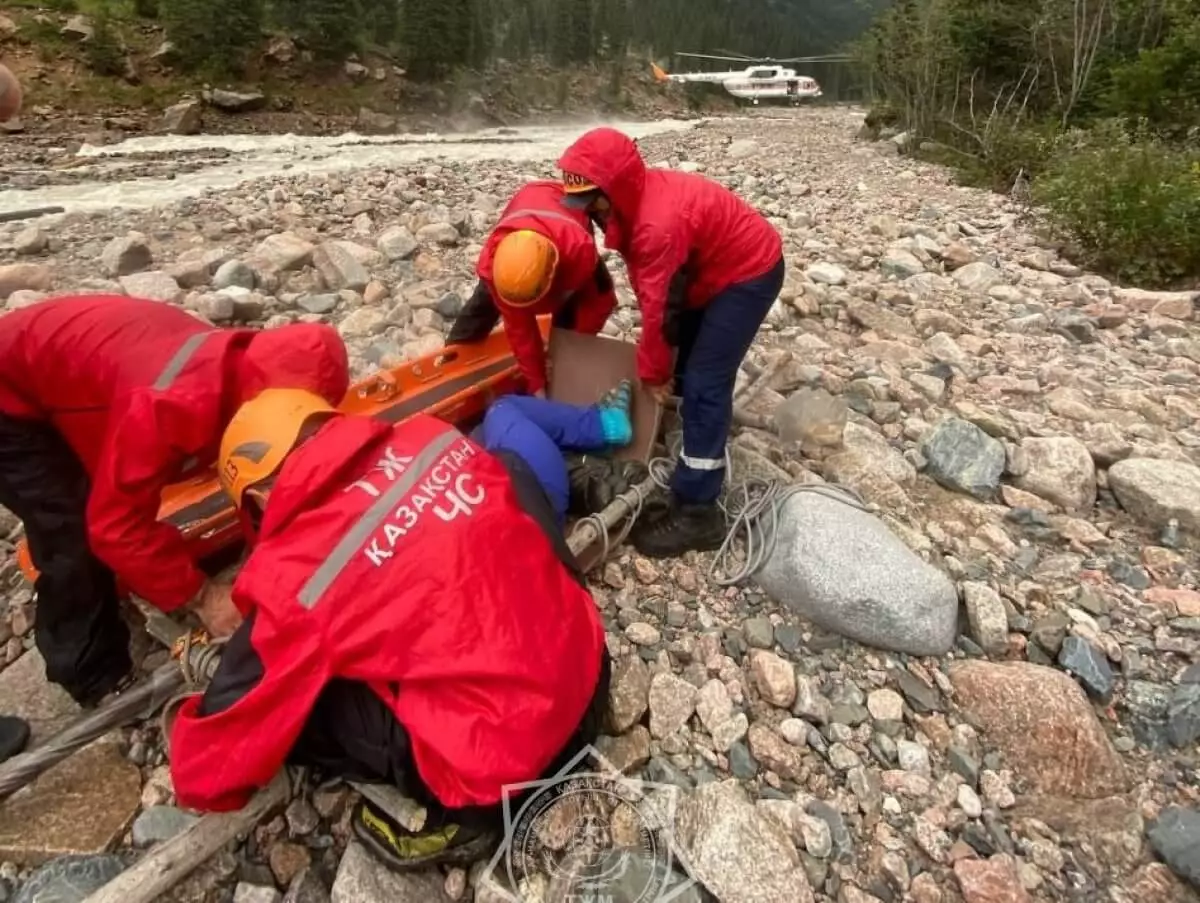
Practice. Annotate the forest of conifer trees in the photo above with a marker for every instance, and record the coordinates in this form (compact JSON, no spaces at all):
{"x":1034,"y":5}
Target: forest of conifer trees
{"x":432,"y":37}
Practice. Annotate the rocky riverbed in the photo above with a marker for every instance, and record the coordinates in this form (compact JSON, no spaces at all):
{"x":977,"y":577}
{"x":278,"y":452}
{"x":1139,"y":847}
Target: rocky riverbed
{"x":1031,"y":430}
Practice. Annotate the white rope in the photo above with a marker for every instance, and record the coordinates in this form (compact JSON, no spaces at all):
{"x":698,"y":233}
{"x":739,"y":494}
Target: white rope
{"x":756,"y":522}
{"x":753,"y":517}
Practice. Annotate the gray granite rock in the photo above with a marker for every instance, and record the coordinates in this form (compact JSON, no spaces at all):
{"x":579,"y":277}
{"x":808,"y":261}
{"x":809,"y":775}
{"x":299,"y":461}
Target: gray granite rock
{"x":842,"y":568}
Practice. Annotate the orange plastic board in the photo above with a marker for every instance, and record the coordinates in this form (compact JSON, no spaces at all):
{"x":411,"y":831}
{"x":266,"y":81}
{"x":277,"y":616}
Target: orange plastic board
{"x":457,"y":383}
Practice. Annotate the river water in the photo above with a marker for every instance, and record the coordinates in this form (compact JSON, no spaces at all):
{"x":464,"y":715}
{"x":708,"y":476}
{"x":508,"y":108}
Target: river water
{"x":241,"y":158}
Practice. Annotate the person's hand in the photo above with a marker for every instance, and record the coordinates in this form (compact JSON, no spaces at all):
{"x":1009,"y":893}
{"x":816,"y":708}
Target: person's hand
{"x":216,"y":610}
{"x":540,"y":393}
{"x":663,"y":392}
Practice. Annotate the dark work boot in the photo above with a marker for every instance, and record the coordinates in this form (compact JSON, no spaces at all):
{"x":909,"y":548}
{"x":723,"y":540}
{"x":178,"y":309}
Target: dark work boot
{"x":681,"y":528}
{"x":14,"y":735}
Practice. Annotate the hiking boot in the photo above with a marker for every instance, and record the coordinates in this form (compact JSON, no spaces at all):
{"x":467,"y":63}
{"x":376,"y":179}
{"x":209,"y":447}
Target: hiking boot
{"x":402,"y":850}
{"x":614,"y":414}
{"x":585,"y":477}
{"x":681,"y":528}
{"x":14,"y":736}
{"x":595,"y":482}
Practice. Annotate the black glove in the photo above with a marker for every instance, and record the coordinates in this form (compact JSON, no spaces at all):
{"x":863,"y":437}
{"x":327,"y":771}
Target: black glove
{"x":476,"y":320}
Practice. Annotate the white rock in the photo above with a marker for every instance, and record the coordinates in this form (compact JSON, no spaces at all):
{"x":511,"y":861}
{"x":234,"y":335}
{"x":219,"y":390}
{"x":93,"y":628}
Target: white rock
{"x":155,"y":285}
{"x":913,"y":757}
{"x":713,"y":705}
{"x":397,"y":243}
{"x":886,"y":705}
{"x":125,"y":255}
{"x":969,"y":802}
{"x":744,"y":147}
{"x":826,"y":274}
{"x":1156,"y":491}
{"x":672,"y":702}
{"x":901,"y":264}
{"x":363,"y":323}
{"x":988,"y":619}
{"x":978,"y":277}
{"x":1060,"y":470}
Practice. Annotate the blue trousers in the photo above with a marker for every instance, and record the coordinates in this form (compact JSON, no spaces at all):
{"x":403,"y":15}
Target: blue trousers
{"x":713,"y":340}
{"x":539,"y":431}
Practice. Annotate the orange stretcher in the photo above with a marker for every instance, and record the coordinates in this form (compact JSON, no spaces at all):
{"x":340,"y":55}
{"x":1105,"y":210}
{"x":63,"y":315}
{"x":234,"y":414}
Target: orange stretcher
{"x":457,"y":384}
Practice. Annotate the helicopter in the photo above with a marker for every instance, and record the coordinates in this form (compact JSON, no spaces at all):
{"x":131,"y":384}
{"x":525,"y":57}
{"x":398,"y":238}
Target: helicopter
{"x":762,"y":79}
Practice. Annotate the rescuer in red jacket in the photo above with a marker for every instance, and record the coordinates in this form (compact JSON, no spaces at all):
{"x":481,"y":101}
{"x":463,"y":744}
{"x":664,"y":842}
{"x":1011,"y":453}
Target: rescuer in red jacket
{"x":414,"y":616}
{"x":706,"y":269}
{"x":104,"y":401}
{"x":540,"y":259}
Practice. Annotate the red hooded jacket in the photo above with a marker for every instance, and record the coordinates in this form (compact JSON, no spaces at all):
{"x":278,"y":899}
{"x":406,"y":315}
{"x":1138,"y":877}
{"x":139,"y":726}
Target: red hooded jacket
{"x":538,"y":207}
{"x":142,"y":392}
{"x":399,"y":556}
{"x":665,"y":222}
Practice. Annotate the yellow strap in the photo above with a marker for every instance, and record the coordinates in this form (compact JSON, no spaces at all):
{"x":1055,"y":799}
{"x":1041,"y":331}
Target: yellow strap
{"x":196,"y":637}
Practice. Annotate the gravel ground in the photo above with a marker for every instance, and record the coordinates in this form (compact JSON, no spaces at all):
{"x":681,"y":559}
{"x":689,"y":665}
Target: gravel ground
{"x":1024,"y":724}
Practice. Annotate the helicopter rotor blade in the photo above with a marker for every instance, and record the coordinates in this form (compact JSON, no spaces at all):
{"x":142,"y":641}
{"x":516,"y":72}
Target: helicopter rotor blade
{"x":710,"y":56}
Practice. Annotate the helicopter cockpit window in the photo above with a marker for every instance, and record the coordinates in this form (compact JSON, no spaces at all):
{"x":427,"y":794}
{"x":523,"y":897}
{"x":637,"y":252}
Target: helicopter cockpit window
{"x":763,"y":73}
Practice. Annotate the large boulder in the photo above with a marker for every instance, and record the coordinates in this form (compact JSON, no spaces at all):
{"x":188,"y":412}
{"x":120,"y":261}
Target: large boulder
{"x":1156,"y":492}
{"x":844,"y":570}
{"x":1043,"y":724}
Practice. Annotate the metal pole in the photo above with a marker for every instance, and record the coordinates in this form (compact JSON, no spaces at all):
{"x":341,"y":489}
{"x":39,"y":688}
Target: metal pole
{"x":140,"y":702}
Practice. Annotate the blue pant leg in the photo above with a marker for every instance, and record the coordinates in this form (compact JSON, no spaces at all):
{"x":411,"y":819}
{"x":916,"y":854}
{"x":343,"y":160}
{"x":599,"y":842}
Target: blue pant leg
{"x":506,"y":428}
{"x":727,"y":330}
{"x":571,"y":427}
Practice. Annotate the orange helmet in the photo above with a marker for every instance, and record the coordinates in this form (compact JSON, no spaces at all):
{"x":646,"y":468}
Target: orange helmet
{"x":523,"y":268}
{"x":261,"y":434}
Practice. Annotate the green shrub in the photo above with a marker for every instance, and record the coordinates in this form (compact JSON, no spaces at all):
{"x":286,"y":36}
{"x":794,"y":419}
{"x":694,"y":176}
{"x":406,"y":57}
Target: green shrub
{"x":1003,"y":150}
{"x":1161,"y":85}
{"x":145,"y":9}
{"x":1130,"y":201}
{"x":105,"y":55}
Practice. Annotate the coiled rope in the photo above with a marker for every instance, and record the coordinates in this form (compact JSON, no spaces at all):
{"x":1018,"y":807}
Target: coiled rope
{"x":751,"y":507}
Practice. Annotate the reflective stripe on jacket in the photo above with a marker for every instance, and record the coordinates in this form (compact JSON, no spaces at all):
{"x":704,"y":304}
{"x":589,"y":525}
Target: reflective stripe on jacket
{"x":400,"y":556}
{"x":142,"y":391}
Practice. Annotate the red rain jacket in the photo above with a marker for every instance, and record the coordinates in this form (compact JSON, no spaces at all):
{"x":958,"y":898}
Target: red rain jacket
{"x":538,"y":207}
{"x":399,"y":556}
{"x":665,"y":222}
{"x":142,"y":392}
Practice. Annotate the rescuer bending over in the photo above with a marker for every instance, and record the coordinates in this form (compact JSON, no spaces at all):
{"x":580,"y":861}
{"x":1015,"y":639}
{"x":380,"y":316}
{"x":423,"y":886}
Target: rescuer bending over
{"x":106,"y":400}
{"x":414,"y":615}
{"x":706,"y":268}
{"x":541,"y":258}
